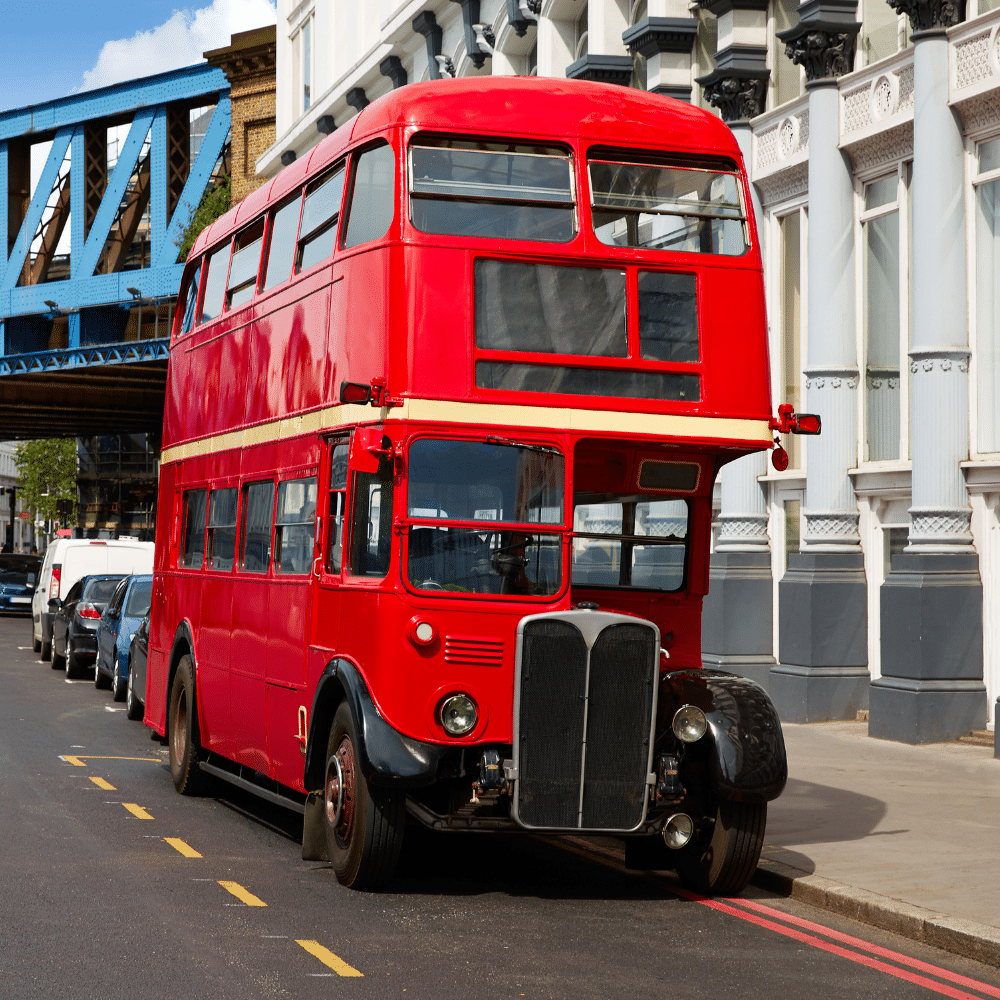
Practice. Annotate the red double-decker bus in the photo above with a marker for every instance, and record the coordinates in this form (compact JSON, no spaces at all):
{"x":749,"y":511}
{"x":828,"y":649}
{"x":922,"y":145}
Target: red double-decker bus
{"x":446,"y":402}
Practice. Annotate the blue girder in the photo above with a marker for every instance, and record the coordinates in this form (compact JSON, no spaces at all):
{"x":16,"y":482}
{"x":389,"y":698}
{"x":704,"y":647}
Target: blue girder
{"x":145,"y":103}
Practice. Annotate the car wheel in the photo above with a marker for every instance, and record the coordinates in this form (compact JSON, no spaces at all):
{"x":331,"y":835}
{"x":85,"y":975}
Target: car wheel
{"x":101,"y":681}
{"x":46,"y":650}
{"x":721,"y":861}
{"x":133,"y":707}
{"x":117,"y":684}
{"x":364,"y":822}
{"x":182,"y":733}
{"x":36,"y":644}
{"x":72,"y":664}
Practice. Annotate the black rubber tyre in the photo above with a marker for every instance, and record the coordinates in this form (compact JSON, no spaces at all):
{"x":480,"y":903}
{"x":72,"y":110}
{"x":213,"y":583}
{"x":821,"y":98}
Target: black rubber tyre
{"x":46,"y":651}
{"x":36,"y":644}
{"x":133,"y":707}
{"x":101,"y":681}
{"x":364,"y":841}
{"x":73,"y":670}
{"x":118,"y":683}
{"x":182,"y":733}
{"x":722,"y":860}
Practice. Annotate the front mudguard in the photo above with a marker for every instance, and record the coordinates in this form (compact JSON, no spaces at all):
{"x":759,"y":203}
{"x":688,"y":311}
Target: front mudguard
{"x":387,"y":757}
{"x":747,"y":758}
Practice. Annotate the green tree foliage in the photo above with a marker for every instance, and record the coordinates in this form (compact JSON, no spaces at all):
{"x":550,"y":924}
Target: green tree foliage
{"x":214,"y":202}
{"x":46,"y":474}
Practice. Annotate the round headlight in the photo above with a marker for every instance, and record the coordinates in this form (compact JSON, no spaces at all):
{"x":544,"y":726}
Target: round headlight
{"x":689,"y":724}
{"x":678,"y":831}
{"x":458,"y":715}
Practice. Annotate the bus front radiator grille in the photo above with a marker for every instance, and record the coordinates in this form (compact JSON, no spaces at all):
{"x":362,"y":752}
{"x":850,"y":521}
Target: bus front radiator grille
{"x":586,"y":692}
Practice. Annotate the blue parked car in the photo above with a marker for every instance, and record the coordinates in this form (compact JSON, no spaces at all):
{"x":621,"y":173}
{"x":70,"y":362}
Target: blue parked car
{"x":18,"y":574}
{"x":121,"y":619}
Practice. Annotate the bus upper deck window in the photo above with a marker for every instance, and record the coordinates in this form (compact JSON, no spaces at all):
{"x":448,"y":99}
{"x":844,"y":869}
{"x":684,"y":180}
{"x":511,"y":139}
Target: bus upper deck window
{"x":246,"y":262}
{"x":190,"y":302}
{"x":281,"y":243}
{"x":492,"y":190}
{"x":372,"y":205}
{"x":215,"y":284}
{"x":688,"y":209}
{"x":318,"y":232}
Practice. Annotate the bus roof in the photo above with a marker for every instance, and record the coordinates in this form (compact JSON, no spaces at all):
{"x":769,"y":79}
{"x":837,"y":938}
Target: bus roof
{"x":543,"y":108}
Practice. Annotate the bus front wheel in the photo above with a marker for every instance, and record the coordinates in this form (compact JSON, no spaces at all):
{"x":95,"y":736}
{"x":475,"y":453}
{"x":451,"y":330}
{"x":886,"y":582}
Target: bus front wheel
{"x":722,"y":860}
{"x":183,"y":733}
{"x":364,"y":822}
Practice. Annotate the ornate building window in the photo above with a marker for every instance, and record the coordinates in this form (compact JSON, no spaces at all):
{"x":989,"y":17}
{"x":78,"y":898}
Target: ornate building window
{"x":987,"y":264}
{"x":302,"y":66}
{"x":705,"y":45}
{"x":885,"y":316}
{"x":883,"y":33}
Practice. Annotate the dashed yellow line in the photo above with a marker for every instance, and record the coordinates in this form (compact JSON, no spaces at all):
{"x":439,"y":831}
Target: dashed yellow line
{"x":242,"y":894}
{"x":178,"y":845}
{"x":328,"y":958}
{"x":137,"y":811}
{"x":106,"y":785}
{"x":78,"y":760}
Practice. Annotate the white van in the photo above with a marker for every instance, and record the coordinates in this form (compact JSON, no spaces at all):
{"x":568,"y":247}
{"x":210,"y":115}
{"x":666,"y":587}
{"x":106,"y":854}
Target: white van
{"x":69,"y":559}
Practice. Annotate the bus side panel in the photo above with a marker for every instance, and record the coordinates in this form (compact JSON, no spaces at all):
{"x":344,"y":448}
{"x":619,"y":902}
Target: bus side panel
{"x":290,"y":361}
{"x":737,"y":379}
{"x":357,"y":332}
{"x":156,"y":669}
{"x":441,"y":341}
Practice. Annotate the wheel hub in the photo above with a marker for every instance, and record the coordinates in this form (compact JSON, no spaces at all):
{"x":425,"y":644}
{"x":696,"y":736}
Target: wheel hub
{"x":339,"y":790}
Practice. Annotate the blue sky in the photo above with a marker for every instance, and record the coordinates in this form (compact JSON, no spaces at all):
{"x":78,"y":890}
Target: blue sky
{"x":50,"y":49}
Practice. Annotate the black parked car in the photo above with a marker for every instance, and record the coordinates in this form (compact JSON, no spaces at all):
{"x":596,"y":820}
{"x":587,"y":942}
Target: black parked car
{"x":74,"y":628}
{"x":135,"y":691}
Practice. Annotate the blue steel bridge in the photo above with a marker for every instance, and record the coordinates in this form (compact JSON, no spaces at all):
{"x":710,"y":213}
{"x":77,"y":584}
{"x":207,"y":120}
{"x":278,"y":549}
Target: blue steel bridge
{"x":90,"y":275}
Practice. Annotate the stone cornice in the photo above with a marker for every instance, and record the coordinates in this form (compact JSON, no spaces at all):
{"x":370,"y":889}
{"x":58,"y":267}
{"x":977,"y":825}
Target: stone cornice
{"x":661,"y":34}
{"x":601,"y":69}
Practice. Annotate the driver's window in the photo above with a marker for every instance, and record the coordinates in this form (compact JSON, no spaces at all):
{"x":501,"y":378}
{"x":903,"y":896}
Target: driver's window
{"x":371,"y":526}
{"x":337,"y":504}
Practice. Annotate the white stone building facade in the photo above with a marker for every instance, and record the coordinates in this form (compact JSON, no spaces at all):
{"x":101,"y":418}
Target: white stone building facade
{"x":866,"y":575}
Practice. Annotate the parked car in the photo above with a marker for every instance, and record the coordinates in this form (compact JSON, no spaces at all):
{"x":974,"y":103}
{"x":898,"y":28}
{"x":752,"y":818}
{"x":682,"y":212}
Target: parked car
{"x":75,"y":621}
{"x":135,"y":693}
{"x":18,"y":576}
{"x":68,"y":559}
{"x":126,"y":609}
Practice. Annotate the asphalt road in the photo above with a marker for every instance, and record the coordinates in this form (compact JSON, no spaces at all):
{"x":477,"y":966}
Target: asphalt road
{"x":114,"y":886}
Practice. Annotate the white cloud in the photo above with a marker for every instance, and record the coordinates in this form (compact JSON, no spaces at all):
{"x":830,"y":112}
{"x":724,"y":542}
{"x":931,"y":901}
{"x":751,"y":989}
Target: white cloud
{"x":178,"y":42}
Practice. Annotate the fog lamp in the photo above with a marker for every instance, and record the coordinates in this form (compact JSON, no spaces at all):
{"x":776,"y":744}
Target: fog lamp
{"x":689,"y":724}
{"x":458,"y":715}
{"x":678,"y":831}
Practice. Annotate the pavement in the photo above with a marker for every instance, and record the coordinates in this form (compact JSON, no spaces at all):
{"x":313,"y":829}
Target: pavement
{"x":903,"y":837}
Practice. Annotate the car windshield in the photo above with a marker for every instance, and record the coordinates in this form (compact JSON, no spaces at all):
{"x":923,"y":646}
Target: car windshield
{"x":459,"y":495}
{"x":139,"y":599}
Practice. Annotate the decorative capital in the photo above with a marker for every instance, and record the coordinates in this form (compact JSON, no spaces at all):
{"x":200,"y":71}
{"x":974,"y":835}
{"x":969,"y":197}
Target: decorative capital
{"x":602,"y":69}
{"x":822,"y":53}
{"x":824,"y":40}
{"x":522,"y":14}
{"x":928,"y":15}
{"x":738,"y":84}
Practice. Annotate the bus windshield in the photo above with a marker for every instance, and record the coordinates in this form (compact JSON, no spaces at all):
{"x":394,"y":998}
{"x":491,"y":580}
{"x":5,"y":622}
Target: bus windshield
{"x":456,"y":489}
{"x":676,"y":208}
{"x":629,"y":541}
